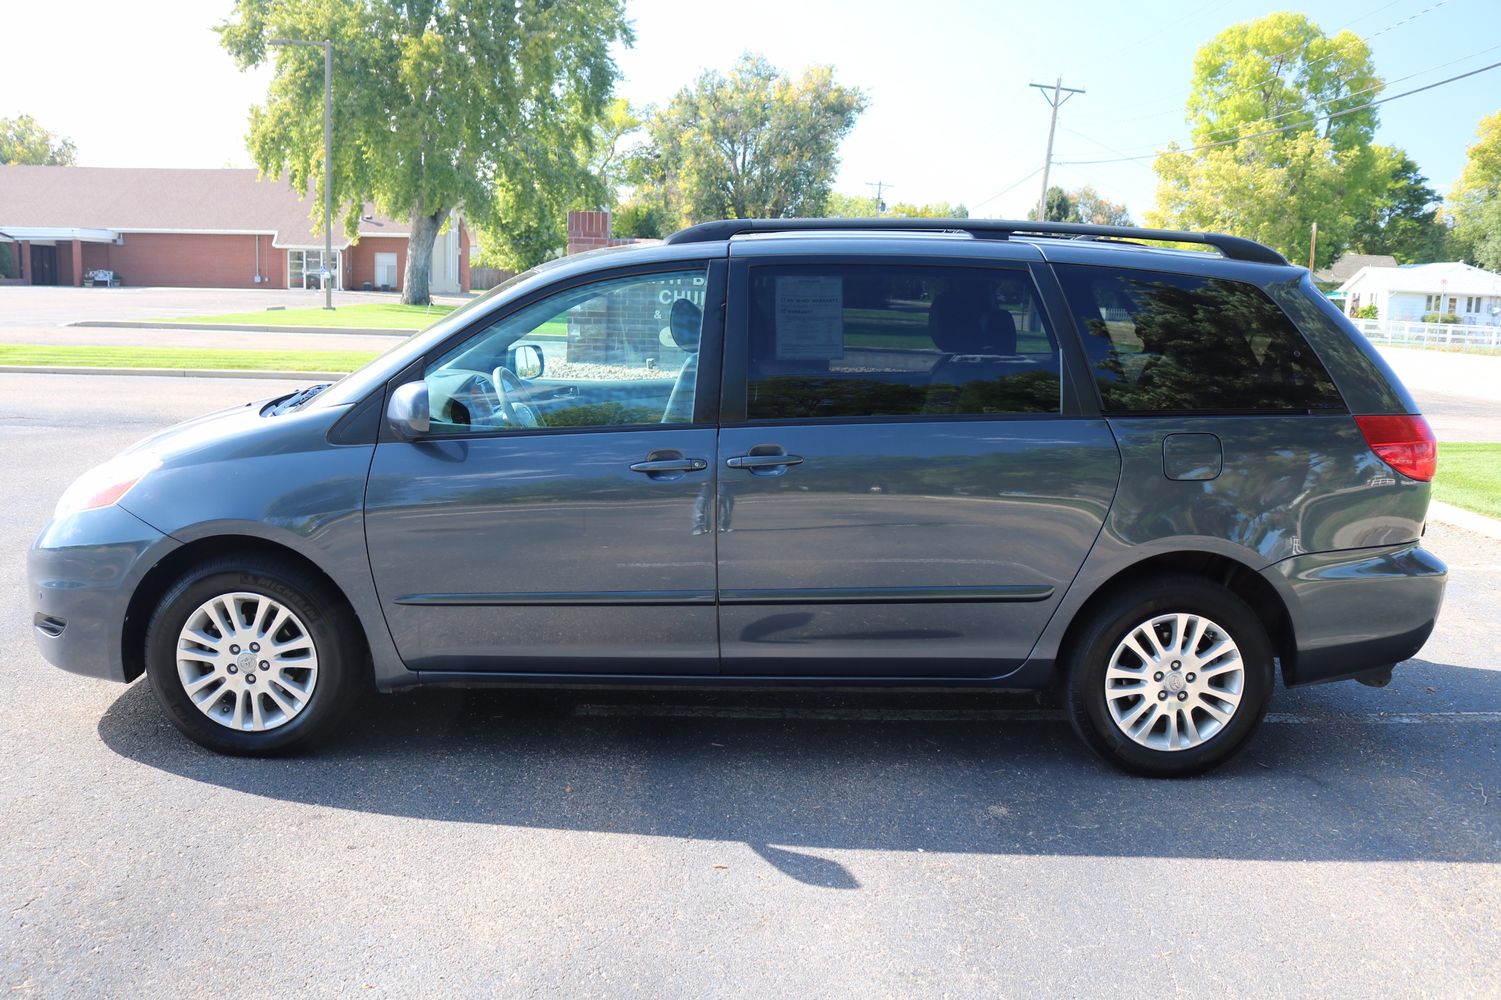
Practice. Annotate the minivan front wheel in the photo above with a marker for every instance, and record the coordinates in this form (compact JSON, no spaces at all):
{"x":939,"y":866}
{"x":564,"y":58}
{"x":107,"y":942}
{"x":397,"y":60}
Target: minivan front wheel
{"x":1171,"y":678}
{"x":252,"y":655}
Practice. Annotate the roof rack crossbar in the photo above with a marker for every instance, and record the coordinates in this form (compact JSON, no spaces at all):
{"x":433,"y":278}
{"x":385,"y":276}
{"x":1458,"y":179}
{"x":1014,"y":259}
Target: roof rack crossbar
{"x":1232,"y":247}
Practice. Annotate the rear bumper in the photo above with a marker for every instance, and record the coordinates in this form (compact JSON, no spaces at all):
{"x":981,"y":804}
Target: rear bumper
{"x":1357,"y":609}
{"x":81,"y":573}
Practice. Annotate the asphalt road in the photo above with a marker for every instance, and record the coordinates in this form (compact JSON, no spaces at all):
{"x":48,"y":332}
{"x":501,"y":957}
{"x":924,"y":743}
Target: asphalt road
{"x":681,"y":845}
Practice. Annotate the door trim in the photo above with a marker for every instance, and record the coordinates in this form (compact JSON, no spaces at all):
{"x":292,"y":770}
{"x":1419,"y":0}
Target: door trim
{"x":610,"y":598}
{"x":890,"y":595}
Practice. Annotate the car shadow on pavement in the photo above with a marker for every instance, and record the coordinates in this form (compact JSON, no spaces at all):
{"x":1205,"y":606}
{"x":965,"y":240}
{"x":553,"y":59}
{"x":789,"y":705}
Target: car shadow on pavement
{"x":791,"y":774}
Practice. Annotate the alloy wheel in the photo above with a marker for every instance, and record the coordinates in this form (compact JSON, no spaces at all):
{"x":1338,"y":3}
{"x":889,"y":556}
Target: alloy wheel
{"x":247,"y":662}
{"x":1174,"y":681}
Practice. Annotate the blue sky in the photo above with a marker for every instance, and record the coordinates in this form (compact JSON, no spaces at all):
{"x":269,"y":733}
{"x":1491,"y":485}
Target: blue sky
{"x":951,"y":116}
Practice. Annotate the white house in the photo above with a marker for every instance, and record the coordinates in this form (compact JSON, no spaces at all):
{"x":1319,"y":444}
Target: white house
{"x":1412,"y":291}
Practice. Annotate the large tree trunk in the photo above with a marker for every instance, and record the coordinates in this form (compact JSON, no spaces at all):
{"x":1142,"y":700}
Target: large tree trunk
{"x":416,"y":285}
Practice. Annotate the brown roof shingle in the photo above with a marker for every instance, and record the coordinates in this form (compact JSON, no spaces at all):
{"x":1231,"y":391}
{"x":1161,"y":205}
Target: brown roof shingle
{"x":156,"y":199}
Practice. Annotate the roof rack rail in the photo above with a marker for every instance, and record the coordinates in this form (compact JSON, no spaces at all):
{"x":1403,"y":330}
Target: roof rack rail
{"x":1232,"y":247}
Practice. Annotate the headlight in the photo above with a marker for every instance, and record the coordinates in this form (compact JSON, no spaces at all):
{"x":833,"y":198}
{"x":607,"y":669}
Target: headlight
{"x":106,"y":484}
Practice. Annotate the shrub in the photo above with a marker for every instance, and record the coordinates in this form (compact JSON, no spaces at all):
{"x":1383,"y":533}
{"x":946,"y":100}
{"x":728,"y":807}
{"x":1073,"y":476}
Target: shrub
{"x":1367,"y":311}
{"x":5,"y":261}
{"x":1440,"y":318}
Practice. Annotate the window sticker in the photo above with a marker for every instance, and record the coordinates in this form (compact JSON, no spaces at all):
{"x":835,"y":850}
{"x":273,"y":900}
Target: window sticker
{"x":809,"y":318}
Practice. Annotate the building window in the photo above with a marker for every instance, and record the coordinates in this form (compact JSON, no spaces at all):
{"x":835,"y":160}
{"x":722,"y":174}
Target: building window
{"x":305,"y":267}
{"x":1472,"y":303}
{"x":1431,"y":303}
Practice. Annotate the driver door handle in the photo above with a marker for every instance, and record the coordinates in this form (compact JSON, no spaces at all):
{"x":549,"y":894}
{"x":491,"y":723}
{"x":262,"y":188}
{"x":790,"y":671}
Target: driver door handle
{"x":671,"y":465}
{"x":668,"y":464}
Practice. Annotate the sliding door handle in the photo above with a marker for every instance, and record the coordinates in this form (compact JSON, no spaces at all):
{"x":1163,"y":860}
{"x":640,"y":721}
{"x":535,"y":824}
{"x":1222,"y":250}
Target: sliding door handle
{"x":764,"y":460}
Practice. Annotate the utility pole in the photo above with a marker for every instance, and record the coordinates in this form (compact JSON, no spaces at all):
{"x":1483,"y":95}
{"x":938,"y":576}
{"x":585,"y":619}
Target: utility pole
{"x":325,"y":274}
{"x":1313,"y":242}
{"x":1059,"y":94}
{"x":879,"y":186}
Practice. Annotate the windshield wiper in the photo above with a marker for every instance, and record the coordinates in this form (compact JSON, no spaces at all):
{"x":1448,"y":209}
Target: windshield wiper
{"x":286,"y":404}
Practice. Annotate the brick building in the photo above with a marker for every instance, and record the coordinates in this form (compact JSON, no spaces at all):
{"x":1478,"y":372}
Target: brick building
{"x":197,"y":228}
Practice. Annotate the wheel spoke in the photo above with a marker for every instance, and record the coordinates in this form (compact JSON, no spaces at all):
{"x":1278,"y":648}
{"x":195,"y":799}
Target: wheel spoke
{"x":1135,"y":646}
{"x":1172,"y":729}
{"x":1193,"y":636}
{"x":1190,"y":729}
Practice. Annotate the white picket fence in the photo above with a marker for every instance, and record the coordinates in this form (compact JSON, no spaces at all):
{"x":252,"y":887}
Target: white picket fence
{"x":1380,"y":331}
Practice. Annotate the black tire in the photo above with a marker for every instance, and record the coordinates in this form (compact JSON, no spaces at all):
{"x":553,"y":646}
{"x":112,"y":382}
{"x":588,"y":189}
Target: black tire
{"x":1089,"y":658}
{"x":330,"y":624}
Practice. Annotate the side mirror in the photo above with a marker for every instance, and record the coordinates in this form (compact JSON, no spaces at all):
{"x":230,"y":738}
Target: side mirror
{"x":408,"y":412}
{"x":526,"y":361}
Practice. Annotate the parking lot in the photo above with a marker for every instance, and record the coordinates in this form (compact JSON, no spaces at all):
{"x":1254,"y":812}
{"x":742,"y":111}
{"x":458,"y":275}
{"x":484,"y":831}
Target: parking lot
{"x":681,"y":844}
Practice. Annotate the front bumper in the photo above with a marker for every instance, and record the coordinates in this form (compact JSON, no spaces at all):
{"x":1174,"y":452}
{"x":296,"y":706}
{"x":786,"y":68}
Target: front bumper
{"x":1358,"y":609}
{"x":81,"y":573}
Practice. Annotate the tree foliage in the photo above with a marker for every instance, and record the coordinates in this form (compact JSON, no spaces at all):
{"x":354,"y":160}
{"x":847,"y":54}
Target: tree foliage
{"x":1083,"y":204}
{"x":854,"y":206}
{"x":1402,"y":216}
{"x":1280,"y":71}
{"x":1476,"y":200}
{"x":24,"y":140}
{"x":753,"y":143}
{"x":481,"y":107}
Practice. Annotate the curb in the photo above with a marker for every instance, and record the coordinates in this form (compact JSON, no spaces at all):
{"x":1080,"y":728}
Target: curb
{"x":352,"y":331}
{"x":172,"y":372}
{"x":1460,"y":518}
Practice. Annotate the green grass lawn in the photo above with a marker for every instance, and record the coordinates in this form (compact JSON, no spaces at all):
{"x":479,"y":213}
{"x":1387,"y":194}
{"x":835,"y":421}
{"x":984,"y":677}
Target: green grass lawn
{"x":373,"y":316}
{"x":76,"y":356}
{"x":1469,"y":476}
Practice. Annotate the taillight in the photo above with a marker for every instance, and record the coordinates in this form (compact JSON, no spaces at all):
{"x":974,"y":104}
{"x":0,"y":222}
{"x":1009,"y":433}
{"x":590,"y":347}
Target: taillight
{"x":1405,"y":442}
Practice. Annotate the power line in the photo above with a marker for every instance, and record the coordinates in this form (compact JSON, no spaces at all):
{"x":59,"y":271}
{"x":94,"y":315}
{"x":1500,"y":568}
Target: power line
{"x":1314,"y":62}
{"x":1356,"y":93}
{"x":1287,"y":128}
{"x":880,"y":186}
{"x":1008,"y":188}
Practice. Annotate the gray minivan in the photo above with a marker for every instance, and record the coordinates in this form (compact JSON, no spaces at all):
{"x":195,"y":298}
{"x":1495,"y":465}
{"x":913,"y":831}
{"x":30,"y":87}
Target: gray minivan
{"x":988,"y":454}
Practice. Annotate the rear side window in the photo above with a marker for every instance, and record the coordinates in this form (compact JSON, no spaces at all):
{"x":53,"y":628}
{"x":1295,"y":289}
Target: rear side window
{"x":847,"y":341}
{"x":1175,"y":343}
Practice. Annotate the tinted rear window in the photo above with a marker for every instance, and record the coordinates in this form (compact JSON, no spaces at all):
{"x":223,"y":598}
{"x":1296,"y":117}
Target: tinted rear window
{"x":1179,"y":343}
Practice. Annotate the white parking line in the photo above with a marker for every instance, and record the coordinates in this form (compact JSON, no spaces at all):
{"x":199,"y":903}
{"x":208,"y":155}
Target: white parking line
{"x":997,"y":714}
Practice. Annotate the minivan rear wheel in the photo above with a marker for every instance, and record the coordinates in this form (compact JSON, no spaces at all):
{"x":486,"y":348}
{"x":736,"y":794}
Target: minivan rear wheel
{"x":1170,"y":678}
{"x":252,"y":655}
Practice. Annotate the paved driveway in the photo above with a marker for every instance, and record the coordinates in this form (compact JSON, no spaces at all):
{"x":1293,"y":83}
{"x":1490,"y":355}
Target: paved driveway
{"x":678,"y":845}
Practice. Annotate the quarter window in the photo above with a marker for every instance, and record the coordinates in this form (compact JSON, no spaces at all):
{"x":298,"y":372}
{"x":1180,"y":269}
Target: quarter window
{"x":622,"y":352}
{"x":1178,"y":343}
{"x":849,"y":341}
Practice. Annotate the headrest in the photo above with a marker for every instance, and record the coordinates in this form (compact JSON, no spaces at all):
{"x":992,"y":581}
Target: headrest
{"x":997,"y":333}
{"x":961,"y":324}
{"x":685,"y":321}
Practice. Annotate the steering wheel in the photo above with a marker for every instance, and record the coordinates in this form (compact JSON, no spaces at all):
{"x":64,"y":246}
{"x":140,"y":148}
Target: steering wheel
{"x":508,"y":390}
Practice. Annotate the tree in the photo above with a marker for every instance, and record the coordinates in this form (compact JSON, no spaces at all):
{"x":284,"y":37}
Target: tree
{"x":1278,"y":72}
{"x":1083,"y":204}
{"x":480,"y":107}
{"x":1476,"y":200}
{"x":1402,"y":217}
{"x":1091,"y":206}
{"x":1057,"y":206}
{"x":751,"y":144}
{"x":24,"y":140}
{"x":855,"y":206}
